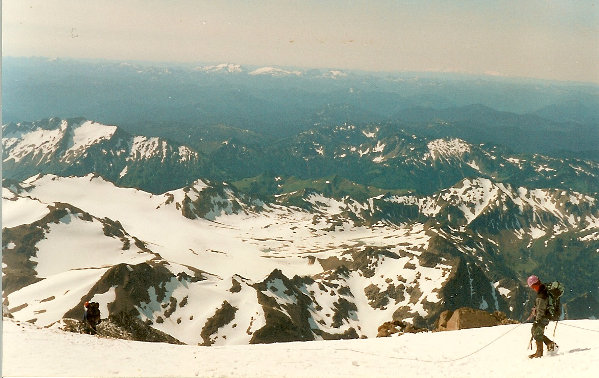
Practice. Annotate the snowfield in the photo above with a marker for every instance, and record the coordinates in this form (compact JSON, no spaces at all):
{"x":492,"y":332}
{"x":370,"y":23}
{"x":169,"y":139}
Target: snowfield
{"x":492,"y":352}
{"x":247,"y":246}
{"x":98,"y":232}
{"x":244,"y":242}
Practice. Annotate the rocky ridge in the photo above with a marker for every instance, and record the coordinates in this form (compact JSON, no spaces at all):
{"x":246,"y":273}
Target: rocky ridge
{"x":210,"y":263}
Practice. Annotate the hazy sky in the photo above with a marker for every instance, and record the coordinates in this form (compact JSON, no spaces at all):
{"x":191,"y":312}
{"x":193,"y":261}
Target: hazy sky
{"x":544,"y":39}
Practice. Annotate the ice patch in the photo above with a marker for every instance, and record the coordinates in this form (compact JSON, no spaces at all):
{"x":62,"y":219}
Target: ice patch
{"x":380,"y":147}
{"x":447,"y":148}
{"x":474,"y":165}
{"x":89,"y":133}
{"x":536,"y":233}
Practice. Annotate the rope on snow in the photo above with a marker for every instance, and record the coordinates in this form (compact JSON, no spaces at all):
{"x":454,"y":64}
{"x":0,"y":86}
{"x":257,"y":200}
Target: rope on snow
{"x":573,"y":326}
{"x":458,"y":358}
{"x":435,"y":361}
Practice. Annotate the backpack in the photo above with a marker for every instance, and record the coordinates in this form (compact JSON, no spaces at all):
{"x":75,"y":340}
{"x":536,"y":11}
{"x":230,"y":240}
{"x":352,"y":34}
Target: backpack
{"x":93,"y":310}
{"x":554,"y":309}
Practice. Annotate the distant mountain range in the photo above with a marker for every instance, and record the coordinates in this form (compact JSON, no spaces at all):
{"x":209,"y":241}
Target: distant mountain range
{"x":379,"y":156}
{"x":184,"y":103}
{"x":78,"y":147}
{"x":350,"y":227}
{"x":220,"y":204}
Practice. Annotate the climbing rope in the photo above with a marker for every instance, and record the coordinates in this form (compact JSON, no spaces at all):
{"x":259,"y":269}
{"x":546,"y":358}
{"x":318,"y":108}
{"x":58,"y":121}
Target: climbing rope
{"x":453,"y":359}
{"x":435,"y":361}
{"x":573,"y":326}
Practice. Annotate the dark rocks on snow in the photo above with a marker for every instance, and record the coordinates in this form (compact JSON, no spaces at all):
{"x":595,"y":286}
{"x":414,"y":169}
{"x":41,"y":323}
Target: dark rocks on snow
{"x":121,"y":326}
{"x":398,"y":327}
{"x":223,"y":316}
{"x":466,"y":317}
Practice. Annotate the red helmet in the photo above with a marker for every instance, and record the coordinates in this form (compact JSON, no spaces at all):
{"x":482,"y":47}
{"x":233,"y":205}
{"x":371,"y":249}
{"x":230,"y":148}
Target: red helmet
{"x":86,"y":304}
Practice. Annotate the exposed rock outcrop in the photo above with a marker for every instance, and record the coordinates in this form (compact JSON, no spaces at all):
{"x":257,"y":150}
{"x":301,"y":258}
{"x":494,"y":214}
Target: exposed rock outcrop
{"x":466,"y":317}
{"x":121,"y":326}
{"x":397,"y":327}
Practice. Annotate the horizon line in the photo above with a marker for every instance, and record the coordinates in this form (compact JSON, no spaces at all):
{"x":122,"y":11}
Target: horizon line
{"x":488,"y":75}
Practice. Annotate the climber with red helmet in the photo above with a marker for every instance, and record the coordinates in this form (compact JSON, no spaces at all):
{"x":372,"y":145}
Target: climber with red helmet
{"x":91,"y":315}
{"x":85,"y":306}
{"x":540,"y":315}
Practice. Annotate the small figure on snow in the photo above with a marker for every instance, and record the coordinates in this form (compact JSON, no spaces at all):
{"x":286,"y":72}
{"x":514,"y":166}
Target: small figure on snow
{"x":541,"y":317}
{"x":91,"y":315}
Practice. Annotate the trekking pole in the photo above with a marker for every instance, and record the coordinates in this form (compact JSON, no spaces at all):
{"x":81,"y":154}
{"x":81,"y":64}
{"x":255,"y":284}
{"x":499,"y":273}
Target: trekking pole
{"x":554,"y":328}
{"x":530,"y":344}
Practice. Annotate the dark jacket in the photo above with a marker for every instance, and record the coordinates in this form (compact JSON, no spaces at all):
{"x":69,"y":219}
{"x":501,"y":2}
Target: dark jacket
{"x":541,"y":304}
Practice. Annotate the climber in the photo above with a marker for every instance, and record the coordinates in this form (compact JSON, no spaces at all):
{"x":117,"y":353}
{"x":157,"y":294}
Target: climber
{"x":91,"y":315}
{"x":541,"y":317}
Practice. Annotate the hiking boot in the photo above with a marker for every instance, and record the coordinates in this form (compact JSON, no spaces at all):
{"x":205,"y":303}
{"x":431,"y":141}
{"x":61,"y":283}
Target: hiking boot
{"x":539,"y":352}
{"x":550,"y":344}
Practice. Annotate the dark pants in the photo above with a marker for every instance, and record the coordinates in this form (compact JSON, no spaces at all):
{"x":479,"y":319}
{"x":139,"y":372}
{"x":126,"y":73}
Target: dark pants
{"x":538,"y":329}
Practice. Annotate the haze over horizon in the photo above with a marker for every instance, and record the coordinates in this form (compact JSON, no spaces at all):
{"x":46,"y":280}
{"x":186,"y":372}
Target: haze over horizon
{"x":555,"y":40}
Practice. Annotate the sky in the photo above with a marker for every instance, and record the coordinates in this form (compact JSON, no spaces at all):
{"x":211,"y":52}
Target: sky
{"x":550,"y":39}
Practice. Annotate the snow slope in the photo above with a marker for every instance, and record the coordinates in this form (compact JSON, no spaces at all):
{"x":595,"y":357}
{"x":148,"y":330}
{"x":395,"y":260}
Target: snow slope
{"x":388,"y":260}
{"x":493,"y":352}
{"x":245,"y":242}
{"x":75,"y":248}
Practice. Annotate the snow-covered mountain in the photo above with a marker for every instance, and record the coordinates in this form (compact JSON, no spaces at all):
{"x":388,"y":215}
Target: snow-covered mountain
{"x":274,"y":72}
{"x":209,"y":263}
{"x":241,"y":258}
{"x":79,"y":146}
{"x":201,"y":255}
{"x":383,"y":156}
{"x":223,"y":67}
{"x":493,"y":351}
